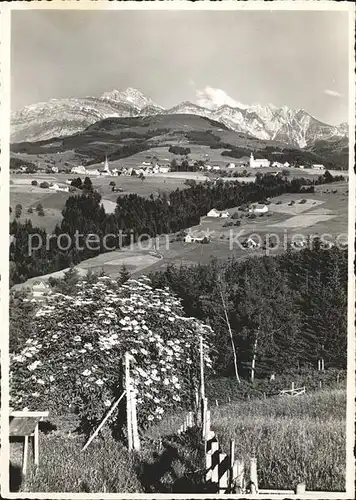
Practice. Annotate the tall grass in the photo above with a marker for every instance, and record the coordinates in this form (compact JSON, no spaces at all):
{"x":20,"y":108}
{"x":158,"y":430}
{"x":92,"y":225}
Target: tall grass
{"x":295,"y":440}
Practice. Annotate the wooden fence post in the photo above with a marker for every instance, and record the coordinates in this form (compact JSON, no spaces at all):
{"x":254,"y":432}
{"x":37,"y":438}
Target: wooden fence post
{"x":128,"y":400}
{"x":214,"y":476}
{"x":209,"y":459}
{"x":202,"y":383}
{"x":300,"y":490}
{"x":232,"y":452}
{"x":135,"y":435}
{"x":239,"y":475}
{"x":223,"y":473}
{"x":292,"y":387}
{"x":253,"y":475}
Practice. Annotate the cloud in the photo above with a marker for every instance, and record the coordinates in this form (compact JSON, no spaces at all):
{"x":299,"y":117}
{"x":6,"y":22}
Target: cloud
{"x":213,"y":98}
{"x":191,"y":82}
{"x":333,"y":93}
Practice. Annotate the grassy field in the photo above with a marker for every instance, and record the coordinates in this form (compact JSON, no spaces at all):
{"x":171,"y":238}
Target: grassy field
{"x":294,"y":439}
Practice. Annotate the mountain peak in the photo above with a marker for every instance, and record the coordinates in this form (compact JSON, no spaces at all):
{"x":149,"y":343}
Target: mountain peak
{"x":130,"y":96}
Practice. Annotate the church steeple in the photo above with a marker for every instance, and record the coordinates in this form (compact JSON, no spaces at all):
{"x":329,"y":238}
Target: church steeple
{"x":106,"y":164}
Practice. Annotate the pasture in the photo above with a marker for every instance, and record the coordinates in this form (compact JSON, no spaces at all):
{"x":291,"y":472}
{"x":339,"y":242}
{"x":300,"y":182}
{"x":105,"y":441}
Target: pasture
{"x":295,"y":439}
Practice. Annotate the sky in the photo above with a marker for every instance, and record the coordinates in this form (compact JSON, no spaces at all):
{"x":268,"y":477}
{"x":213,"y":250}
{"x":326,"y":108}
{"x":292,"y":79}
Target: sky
{"x":293,"y":58}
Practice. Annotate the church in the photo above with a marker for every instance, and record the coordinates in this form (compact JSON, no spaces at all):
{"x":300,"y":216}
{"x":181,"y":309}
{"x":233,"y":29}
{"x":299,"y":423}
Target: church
{"x":258,"y":163}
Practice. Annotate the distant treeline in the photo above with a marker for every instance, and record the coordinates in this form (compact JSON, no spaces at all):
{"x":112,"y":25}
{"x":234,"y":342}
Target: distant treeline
{"x":134,"y":216}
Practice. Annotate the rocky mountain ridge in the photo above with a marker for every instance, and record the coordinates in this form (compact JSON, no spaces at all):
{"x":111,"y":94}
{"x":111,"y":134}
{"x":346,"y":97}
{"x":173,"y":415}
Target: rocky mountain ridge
{"x":64,"y":117}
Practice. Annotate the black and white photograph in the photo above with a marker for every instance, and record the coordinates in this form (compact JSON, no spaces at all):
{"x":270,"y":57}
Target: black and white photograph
{"x":180,"y":191}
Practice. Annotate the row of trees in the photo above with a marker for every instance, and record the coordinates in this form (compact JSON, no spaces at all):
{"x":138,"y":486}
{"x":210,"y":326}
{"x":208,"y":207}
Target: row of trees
{"x":276,"y":313}
{"x":134,"y":216}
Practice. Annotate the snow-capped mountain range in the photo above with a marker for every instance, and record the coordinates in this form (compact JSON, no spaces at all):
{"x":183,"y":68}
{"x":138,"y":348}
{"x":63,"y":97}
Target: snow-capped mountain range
{"x":62,"y":117}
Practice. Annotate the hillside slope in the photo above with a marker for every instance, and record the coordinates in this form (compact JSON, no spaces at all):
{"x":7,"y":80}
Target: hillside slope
{"x":123,"y":137}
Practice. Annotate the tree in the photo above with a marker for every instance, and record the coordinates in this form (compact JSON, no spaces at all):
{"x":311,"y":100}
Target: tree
{"x":124,"y":275}
{"x":229,"y":329}
{"x":18,"y":210}
{"x":30,"y":210}
{"x":44,"y":185}
{"x":112,"y":183}
{"x":77,"y":183}
{"x":34,"y":183}
{"x":39,"y":207}
{"x":87,"y":185}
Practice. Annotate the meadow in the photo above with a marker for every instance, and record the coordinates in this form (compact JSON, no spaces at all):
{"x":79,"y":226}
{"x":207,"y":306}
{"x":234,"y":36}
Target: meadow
{"x":295,"y":440}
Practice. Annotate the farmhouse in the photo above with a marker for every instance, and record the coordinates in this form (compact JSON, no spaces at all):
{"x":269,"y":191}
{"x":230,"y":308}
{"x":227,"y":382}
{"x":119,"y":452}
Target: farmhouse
{"x":250,"y":243}
{"x":231,"y":165}
{"x":277,"y":164}
{"x":286,"y":164}
{"x":263,"y":162}
{"x":318,"y":167}
{"x":213,"y":213}
{"x":93,"y":172}
{"x":79,"y":170}
{"x":216,"y":213}
{"x":196,"y":238}
{"x":258,"y":209}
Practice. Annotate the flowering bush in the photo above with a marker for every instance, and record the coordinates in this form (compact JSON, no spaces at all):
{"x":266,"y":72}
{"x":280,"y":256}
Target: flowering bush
{"x":74,"y":353}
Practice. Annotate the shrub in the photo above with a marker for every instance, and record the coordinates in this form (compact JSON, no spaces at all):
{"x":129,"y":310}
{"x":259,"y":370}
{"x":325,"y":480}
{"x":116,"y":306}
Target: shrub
{"x":302,"y":201}
{"x":34,"y":183}
{"x":44,"y":185}
{"x":30,"y":210}
{"x":91,"y":335}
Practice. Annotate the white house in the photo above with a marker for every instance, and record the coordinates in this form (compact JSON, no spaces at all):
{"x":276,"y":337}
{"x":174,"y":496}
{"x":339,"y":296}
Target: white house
{"x":224,"y":214}
{"x":259,"y":209}
{"x":277,"y":164}
{"x":79,"y":170}
{"x":286,"y":164}
{"x":39,"y":288}
{"x":208,"y":167}
{"x":250,"y":243}
{"x":55,"y":187}
{"x":216,"y":167}
{"x":231,"y":165}
{"x":213,"y":213}
{"x":301,"y":167}
{"x":195,"y":238}
{"x":258,"y":163}
{"x":164,"y":169}
{"x":318,"y":167}
{"x":146,"y":163}
{"x":93,"y":172}
{"x":64,"y":189}
{"x":54,"y":170}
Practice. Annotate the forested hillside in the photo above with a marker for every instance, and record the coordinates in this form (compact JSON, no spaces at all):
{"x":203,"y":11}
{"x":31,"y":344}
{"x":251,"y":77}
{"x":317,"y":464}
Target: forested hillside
{"x":288,"y":311}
